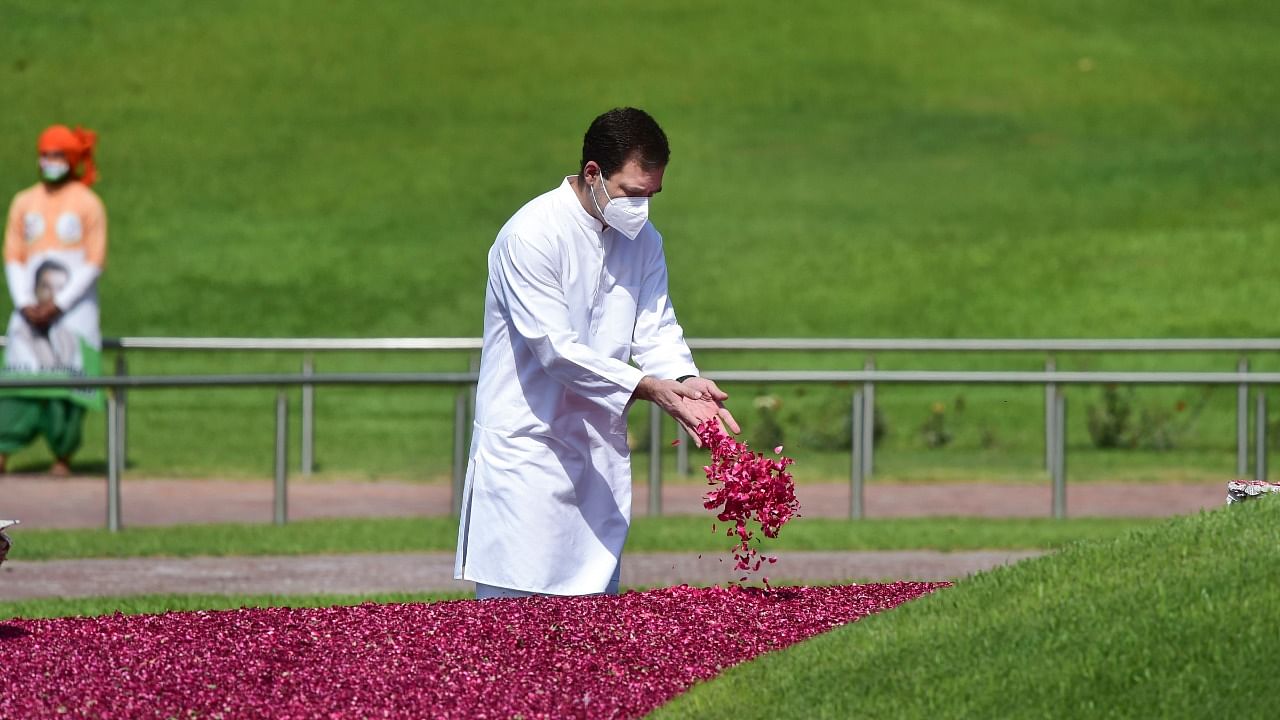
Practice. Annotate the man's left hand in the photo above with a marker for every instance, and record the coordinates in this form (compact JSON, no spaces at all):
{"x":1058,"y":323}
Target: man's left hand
{"x":714,"y":396}
{"x":46,"y":313}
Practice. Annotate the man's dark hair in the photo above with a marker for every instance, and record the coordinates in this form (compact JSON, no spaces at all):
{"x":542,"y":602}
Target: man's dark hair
{"x":618,"y":135}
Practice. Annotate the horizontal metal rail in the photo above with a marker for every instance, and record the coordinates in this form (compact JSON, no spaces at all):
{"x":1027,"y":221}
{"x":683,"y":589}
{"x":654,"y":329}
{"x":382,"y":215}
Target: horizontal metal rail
{"x":292,"y":344}
{"x":1138,"y":345}
{"x":827,"y":377}
{"x":990,"y":345}
{"x":247,"y":380}
{"x":996,"y":377}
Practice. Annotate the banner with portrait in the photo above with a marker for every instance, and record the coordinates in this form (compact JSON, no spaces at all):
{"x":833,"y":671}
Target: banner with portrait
{"x":70,"y":347}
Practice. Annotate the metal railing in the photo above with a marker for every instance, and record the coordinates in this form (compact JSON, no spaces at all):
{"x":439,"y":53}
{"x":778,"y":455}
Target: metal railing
{"x":1050,"y":347}
{"x":115,"y":385}
{"x":862,"y":409}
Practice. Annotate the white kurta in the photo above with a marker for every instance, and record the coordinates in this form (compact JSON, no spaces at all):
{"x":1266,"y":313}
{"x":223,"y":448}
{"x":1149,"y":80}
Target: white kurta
{"x":547,"y":501}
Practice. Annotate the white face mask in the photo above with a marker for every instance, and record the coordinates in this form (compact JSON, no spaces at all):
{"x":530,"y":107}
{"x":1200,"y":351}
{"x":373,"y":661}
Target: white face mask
{"x":54,"y":170}
{"x":627,"y":215}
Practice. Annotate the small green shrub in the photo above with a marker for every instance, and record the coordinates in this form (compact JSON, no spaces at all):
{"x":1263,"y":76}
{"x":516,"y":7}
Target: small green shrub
{"x":934,"y":430}
{"x":766,"y":431}
{"x":1109,"y":423}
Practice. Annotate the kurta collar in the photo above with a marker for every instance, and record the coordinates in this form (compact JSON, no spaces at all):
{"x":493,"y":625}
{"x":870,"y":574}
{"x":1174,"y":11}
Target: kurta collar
{"x":570,"y":198}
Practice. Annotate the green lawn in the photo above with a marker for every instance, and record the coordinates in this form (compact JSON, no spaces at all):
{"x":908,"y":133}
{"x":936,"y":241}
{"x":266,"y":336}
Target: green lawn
{"x":965,"y":169}
{"x":1166,"y":621}
{"x":668,"y":534}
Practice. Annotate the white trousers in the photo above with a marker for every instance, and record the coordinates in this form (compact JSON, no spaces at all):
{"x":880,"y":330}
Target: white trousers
{"x":492,"y":592}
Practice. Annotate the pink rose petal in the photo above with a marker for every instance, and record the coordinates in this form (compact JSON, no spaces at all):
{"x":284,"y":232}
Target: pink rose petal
{"x":747,"y":486}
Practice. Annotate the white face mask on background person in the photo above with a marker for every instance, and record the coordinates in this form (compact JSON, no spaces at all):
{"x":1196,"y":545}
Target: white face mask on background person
{"x":627,"y":215}
{"x":54,"y":170}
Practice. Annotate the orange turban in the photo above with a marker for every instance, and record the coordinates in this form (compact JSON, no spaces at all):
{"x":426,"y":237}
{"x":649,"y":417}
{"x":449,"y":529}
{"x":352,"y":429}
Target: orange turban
{"x":76,"y":144}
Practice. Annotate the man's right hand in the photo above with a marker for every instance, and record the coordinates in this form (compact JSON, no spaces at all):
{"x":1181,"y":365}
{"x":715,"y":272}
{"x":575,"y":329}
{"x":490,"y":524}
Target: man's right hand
{"x":41,"y":316}
{"x":670,"y":395}
{"x":32,"y":314}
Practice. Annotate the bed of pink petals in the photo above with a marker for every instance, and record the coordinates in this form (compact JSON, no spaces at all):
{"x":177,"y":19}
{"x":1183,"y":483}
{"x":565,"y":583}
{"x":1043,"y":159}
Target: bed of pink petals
{"x":597,"y":657}
{"x":747,"y":485}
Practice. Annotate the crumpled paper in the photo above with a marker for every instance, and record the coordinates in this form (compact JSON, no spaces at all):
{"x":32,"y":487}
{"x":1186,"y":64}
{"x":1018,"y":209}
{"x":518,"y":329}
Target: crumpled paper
{"x":5,"y":543}
{"x":1241,"y":490}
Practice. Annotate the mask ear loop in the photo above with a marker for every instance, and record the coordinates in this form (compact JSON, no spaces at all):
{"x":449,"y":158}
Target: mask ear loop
{"x":596,"y":202}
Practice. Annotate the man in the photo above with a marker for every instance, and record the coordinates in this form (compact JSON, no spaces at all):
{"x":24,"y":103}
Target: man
{"x":55,"y":247}
{"x":577,"y":287}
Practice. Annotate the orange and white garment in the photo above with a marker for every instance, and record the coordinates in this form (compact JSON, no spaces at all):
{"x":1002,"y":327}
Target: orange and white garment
{"x":55,"y":248}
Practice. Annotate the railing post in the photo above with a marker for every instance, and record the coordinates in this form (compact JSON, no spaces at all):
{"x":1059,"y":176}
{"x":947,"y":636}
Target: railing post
{"x":1260,"y":438}
{"x":1050,"y":393}
{"x":868,"y":422}
{"x":1060,"y":457}
{"x":1242,"y":422}
{"x":459,"y":449}
{"x":113,"y":462}
{"x":280,"y":504}
{"x":122,"y":432}
{"x":307,"y":463}
{"x":856,"y":508}
{"x":655,"y":460}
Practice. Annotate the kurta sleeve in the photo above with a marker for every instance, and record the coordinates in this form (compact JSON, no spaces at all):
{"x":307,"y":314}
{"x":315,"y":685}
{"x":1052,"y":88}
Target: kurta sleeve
{"x":526,"y":279}
{"x":15,"y":257}
{"x":94,"y":220}
{"x":657,"y":343}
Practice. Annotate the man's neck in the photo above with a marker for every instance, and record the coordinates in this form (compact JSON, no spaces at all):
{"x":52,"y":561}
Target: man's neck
{"x":583,"y":191}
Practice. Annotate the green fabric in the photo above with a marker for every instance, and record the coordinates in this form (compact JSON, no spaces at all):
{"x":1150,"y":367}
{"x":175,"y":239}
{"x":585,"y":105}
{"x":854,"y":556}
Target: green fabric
{"x":59,"y":420}
{"x":92,"y":399}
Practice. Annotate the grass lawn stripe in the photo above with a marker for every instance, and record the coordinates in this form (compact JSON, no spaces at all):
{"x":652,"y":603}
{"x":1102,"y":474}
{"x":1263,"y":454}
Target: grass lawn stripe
{"x":668,"y":534}
{"x":1173,"y":620}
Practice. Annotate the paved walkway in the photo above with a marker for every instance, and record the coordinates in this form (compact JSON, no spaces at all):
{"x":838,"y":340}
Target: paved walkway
{"x":42,"y":502}
{"x":433,"y":572}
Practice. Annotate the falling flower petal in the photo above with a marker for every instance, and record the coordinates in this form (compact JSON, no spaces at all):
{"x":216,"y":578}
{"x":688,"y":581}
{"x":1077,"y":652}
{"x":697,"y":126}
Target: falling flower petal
{"x":747,"y":486}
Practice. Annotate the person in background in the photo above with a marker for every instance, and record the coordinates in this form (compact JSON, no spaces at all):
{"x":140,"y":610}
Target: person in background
{"x":55,"y":249}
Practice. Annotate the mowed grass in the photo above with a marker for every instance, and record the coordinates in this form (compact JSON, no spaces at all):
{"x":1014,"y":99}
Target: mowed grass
{"x":1165,"y":621}
{"x":966,"y":169}
{"x":667,"y":534}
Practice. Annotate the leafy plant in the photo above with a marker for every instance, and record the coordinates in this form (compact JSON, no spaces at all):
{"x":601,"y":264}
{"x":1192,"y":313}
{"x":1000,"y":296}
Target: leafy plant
{"x":767,"y":430}
{"x":934,"y":431}
{"x":1159,"y":426}
{"x":1109,"y":423}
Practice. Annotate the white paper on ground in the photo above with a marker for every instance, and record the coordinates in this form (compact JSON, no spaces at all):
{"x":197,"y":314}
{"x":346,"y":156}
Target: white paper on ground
{"x":5,"y":543}
{"x":1241,"y":490}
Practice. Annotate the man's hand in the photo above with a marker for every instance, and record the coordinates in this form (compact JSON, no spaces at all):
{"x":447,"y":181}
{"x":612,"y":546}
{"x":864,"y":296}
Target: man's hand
{"x":48,"y":313}
{"x":31,"y":315}
{"x":41,"y":316}
{"x":713,"y":399}
{"x":688,"y":405}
